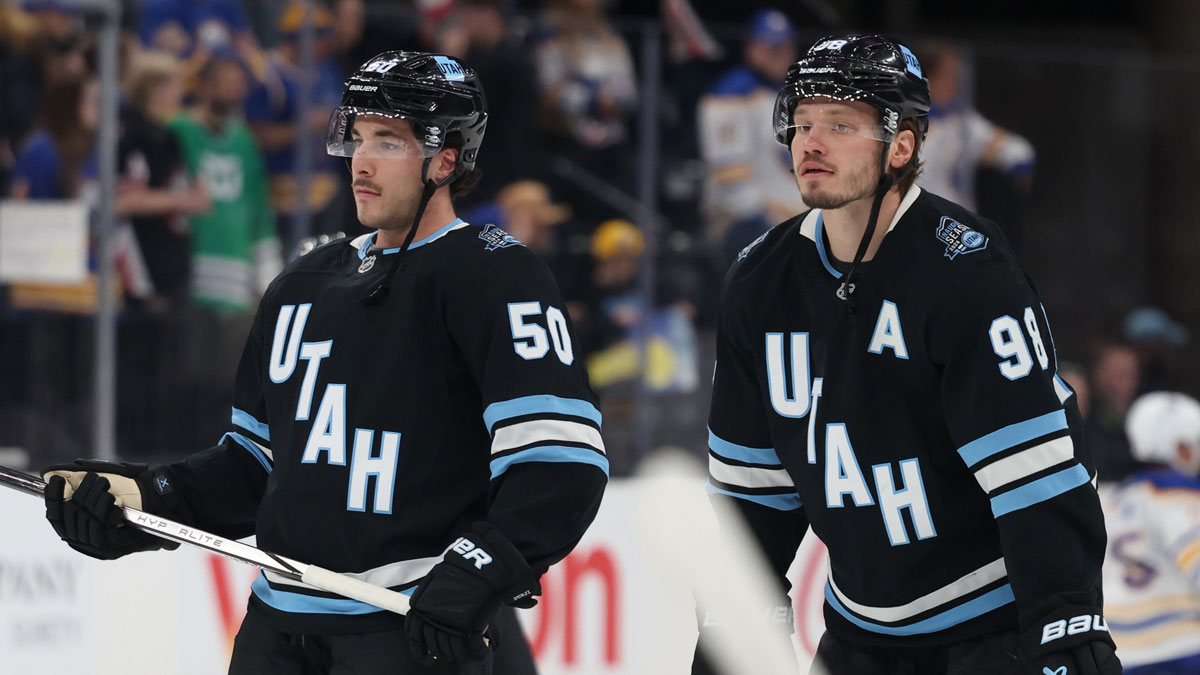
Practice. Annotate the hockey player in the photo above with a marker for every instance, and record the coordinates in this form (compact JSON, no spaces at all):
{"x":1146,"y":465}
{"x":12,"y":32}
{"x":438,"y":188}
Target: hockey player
{"x":894,"y":386}
{"x":409,"y":410}
{"x":1152,"y":573}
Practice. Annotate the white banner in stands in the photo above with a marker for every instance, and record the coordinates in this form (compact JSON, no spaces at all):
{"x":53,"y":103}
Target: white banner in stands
{"x":600,"y":612}
{"x":43,"y":241}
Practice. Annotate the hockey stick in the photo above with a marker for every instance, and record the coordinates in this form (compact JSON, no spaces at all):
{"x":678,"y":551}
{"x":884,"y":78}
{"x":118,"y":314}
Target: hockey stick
{"x":317,"y":577}
{"x":678,"y":531}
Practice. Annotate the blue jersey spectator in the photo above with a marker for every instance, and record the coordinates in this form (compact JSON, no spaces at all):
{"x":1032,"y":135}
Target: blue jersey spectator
{"x":179,"y":26}
{"x":59,"y":160}
{"x":275,"y":111}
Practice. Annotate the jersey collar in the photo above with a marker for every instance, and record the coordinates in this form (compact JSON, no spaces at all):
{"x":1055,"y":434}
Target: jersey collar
{"x":363,"y":243}
{"x":813,"y":227}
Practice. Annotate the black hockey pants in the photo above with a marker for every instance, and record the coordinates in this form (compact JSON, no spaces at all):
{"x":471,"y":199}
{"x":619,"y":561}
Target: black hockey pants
{"x":262,"y":650}
{"x":989,"y":655}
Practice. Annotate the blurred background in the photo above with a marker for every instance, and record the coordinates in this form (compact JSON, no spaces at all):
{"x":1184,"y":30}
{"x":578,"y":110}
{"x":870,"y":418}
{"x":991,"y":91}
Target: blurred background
{"x":629,"y":145}
{"x":160,"y":160}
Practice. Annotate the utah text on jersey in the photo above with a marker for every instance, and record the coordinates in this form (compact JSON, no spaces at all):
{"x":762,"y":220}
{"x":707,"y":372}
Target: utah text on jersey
{"x":924,"y":435}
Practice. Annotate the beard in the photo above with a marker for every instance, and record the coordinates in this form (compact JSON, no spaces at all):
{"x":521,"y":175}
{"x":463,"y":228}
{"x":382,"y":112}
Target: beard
{"x":385,"y":215}
{"x":860,"y":183}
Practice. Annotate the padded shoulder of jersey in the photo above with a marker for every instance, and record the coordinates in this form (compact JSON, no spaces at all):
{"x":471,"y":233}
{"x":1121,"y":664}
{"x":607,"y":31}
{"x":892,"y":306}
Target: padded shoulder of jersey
{"x":957,"y":244}
{"x":477,"y":252}
{"x":765,"y":252}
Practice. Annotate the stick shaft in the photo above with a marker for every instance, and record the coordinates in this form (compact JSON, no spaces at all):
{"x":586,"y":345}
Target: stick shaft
{"x":170,"y":530}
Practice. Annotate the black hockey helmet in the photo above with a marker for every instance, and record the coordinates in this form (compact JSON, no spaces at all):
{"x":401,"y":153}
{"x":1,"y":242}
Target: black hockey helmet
{"x":875,"y":69}
{"x":439,"y":96}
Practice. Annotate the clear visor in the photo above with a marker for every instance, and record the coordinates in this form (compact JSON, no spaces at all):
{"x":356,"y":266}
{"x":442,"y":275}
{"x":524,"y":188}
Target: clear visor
{"x":361,"y":132}
{"x":832,"y":129}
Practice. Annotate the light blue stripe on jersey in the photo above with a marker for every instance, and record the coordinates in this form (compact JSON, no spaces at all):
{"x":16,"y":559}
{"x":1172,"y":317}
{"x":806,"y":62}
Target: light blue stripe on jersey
{"x":1040,"y":490}
{"x":550,"y":453}
{"x":819,"y":236}
{"x":299,"y":603}
{"x":782,"y":502}
{"x":1011,"y":435}
{"x":246,"y":421}
{"x":952,"y":617}
{"x":741,"y":453}
{"x":370,"y":240}
{"x":250,"y":447}
{"x":533,"y":405}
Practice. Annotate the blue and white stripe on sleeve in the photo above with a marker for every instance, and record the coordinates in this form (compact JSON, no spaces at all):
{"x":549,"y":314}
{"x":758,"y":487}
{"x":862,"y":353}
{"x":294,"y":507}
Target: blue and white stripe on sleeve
{"x":253,"y":436}
{"x":1025,"y":463}
{"x":751,"y":474}
{"x":544,"y":429}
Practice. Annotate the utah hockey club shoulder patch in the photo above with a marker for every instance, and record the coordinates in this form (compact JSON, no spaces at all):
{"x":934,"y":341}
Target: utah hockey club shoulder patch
{"x":495,"y":238}
{"x":959,"y":238}
{"x":746,"y":251}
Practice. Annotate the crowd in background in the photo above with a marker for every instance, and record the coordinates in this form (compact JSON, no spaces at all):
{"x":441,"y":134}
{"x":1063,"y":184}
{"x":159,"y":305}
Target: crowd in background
{"x":223,"y":178}
{"x":222,"y":174}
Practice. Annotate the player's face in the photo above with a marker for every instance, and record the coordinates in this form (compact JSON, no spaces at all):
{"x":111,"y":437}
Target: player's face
{"x":387,"y":172}
{"x":835,"y":152}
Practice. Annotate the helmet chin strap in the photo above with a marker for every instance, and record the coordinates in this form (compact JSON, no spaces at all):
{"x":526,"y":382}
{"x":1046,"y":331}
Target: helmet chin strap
{"x":886,"y":181}
{"x":429,"y":187}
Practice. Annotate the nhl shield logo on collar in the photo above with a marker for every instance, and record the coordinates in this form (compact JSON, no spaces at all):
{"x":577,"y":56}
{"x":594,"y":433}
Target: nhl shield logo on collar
{"x":367,"y":263}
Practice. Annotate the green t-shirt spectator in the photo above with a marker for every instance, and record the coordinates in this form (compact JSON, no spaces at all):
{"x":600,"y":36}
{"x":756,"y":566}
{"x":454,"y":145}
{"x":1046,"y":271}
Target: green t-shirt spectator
{"x":235,"y":250}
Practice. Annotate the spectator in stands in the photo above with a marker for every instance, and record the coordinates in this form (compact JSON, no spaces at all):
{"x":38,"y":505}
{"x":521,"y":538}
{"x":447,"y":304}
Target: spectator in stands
{"x":276,"y":111}
{"x":37,"y":38}
{"x":749,"y":185}
{"x":478,"y":33}
{"x":588,"y":95}
{"x":184,"y":26}
{"x":586,"y":74}
{"x":1152,"y":570}
{"x":63,"y":40}
{"x":1114,"y":383}
{"x":59,"y":160}
{"x":194,"y":29}
{"x":961,"y":141}
{"x":155,"y":196}
{"x":235,"y":250}
{"x":1159,"y":341}
{"x":616,"y":311}
{"x":153,"y":189}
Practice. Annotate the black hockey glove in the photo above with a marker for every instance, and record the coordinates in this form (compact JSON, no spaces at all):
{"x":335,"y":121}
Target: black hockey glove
{"x":454,"y":604}
{"x":1069,"y":640}
{"x":83,"y":502}
{"x":1091,"y":658}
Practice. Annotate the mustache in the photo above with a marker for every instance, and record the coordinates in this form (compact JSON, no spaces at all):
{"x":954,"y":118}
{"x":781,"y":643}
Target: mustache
{"x":817,"y":161}
{"x":363,"y":183}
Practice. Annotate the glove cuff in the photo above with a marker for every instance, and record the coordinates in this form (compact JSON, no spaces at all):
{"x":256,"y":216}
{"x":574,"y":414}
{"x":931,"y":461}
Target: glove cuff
{"x":159,"y":496}
{"x":485,"y":552}
{"x":1062,"y":627}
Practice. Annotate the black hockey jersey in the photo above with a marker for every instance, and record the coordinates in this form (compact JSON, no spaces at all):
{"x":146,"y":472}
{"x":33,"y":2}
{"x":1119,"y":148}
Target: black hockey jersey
{"x":366,"y":438}
{"x":924,"y":433}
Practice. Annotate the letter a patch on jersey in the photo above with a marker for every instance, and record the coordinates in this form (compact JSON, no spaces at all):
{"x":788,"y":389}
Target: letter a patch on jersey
{"x":888,"y":333}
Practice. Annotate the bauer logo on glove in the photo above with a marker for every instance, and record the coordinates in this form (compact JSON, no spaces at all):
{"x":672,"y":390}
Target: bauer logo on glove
{"x":471,"y":552}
